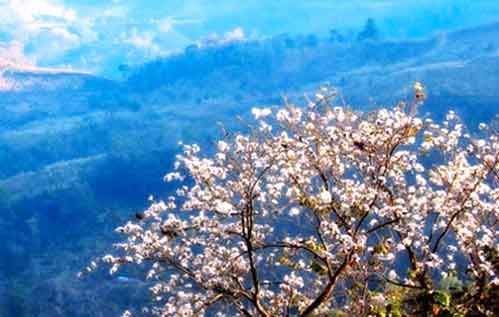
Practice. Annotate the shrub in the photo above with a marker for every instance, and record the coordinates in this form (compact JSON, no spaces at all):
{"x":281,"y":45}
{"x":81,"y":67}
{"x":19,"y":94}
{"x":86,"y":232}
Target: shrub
{"x":324,"y":211}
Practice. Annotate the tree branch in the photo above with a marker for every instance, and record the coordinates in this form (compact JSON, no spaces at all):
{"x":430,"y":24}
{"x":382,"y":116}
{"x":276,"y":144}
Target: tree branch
{"x":328,"y":290}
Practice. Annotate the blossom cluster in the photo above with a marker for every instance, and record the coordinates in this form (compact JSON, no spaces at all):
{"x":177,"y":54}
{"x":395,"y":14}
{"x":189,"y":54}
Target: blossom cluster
{"x":318,"y":210}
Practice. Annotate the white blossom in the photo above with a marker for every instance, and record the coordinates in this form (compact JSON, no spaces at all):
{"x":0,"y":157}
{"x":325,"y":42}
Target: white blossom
{"x":260,"y":113}
{"x":320,"y":201}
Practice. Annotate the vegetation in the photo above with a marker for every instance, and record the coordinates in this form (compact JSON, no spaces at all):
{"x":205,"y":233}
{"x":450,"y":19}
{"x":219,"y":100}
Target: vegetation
{"x":246,"y":62}
{"x":79,"y":153}
{"x":324,"y":211}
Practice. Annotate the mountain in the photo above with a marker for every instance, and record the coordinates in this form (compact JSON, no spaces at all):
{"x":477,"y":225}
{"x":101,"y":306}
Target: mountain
{"x":34,"y":79}
{"x":80,"y":153}
{"x":287,"y":63}
{"x":34,"y":94}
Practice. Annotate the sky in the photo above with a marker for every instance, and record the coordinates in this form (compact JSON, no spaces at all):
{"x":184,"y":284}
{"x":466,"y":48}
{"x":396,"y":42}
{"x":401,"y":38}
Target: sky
{"x":97,"y":36}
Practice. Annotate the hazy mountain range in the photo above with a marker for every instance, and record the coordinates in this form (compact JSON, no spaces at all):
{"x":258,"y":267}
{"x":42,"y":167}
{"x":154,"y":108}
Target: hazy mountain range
{"x":79,"y":153}
{"x":99,"y":35}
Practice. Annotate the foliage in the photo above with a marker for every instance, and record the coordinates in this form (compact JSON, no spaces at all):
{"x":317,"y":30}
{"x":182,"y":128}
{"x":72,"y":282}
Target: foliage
{"x":324,"y":211}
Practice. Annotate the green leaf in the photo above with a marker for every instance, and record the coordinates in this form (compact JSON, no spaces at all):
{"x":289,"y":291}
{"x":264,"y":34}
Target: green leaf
{"x":442,"y":298}
{"x":318,"y":268}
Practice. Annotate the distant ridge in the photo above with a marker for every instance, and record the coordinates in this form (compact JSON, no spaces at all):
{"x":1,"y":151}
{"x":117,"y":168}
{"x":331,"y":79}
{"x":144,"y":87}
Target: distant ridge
{"x":11,"y":68}
{"x":487,"y":27}
{"x":21,"y":77}
{"x":6,"y":65}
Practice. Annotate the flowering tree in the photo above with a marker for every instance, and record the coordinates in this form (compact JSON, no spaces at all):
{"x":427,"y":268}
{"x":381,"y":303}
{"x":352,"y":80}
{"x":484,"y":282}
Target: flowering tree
{"x":323,"y":211}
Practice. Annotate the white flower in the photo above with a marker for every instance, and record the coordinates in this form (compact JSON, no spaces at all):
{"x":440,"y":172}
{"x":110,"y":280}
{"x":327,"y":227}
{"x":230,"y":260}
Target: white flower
{"x":400,"y":247}
{"x":294,"y":211}
{"x":340,"y":116}
{"x":420,"y":180}
{"x":451,"y":115}
{"x":294,"y":281}
{"x":325,"y":197}
{"x":168,"y":178}
{"x":378,"y":299}
{"x":261,"y":113}
{"x":387,"y":257}
{"x":223,"y":146}
{"x":126,"y":313}
{"x":223,"y":207}
{"x":114,"y":269}
{"x":419,"y":168}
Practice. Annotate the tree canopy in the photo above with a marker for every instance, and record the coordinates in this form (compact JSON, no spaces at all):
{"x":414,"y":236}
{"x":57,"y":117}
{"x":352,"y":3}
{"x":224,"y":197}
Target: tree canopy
{"x":325,"y":211}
